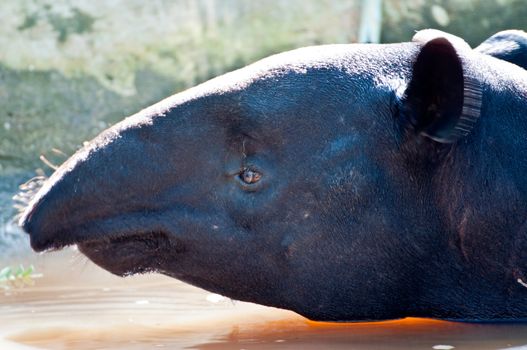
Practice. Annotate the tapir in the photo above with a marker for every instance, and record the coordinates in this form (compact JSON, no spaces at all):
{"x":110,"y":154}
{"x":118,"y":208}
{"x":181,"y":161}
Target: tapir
{"x":344,"y":182}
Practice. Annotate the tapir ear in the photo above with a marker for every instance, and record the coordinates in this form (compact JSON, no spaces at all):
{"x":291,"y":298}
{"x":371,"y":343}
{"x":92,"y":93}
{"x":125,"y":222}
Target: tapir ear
{"x":507,"y":45}
{"x":441,"y":102}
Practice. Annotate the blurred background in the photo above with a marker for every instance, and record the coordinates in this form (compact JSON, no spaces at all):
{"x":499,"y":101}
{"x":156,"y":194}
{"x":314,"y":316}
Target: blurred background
{"x":71,"y":68}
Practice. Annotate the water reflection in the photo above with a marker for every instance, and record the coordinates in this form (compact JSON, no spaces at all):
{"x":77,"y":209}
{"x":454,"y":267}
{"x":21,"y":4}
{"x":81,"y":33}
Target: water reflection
{"x":78,"y":306}
{"x":404,"y":334}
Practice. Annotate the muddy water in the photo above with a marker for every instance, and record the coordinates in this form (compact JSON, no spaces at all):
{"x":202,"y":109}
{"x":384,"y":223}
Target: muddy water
{"x":76,"y":305}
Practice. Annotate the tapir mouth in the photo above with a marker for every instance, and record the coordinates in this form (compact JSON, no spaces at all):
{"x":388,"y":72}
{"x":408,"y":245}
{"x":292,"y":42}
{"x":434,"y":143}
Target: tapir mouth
{"x":138,"y":241}
{"x":112,"y":230}
{"x":132,"y":254}
{"x":124,"y":244}
{"x":108,"y":244}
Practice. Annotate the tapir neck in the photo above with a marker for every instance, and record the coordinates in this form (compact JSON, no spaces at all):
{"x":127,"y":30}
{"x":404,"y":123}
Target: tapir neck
{"x":503,"y":135}
{"x":481,"y":189}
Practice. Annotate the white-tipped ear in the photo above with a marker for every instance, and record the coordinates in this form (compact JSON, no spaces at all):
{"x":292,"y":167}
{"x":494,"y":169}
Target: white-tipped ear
{"x":426,"y":35}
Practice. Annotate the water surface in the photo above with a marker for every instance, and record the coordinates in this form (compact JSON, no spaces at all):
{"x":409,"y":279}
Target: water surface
{"x":76,"y":305}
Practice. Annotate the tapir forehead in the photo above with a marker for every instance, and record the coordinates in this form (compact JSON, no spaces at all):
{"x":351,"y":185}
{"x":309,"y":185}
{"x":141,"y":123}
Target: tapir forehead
{"x":366,"y":60}
{"x":269,"y":83}
{"x":355,"y":59}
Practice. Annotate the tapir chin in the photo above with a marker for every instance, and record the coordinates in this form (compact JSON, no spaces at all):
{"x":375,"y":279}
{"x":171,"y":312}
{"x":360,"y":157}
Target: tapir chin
{"x":343,"y":182}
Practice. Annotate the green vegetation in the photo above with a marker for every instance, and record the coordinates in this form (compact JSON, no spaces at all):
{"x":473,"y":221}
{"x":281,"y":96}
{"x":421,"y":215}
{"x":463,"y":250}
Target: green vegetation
{"x":17,"y":277}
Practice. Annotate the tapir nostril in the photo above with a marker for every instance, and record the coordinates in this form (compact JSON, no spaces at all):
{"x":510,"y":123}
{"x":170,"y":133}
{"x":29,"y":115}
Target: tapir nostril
{"x":30,"y":215}
{"x":25,"y":221}
{"x":25,"y":201}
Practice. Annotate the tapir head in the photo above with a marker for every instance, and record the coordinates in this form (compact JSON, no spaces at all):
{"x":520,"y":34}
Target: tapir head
{"x":304,"y":181}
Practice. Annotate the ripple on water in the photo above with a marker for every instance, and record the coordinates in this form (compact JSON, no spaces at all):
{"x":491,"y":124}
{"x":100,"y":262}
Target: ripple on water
{"x":76,"y":306}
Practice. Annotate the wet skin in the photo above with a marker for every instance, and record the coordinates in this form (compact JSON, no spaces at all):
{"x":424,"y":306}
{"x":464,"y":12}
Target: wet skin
{"x":344,"y":182}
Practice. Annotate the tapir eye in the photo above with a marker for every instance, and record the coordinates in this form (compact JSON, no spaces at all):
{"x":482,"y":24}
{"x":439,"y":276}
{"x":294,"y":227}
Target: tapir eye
{"x":250,"y":176}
